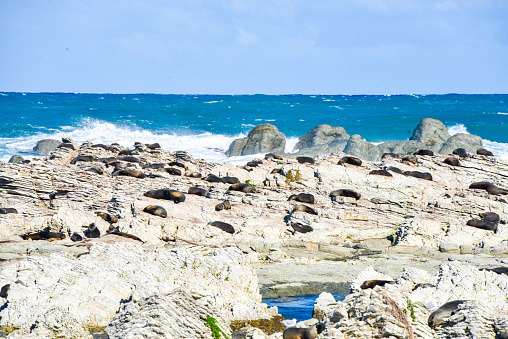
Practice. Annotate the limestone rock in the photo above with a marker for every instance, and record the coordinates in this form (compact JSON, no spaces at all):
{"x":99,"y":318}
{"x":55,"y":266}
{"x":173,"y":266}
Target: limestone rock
{"x":360,"y":148}
{"x":460,"y":140}
{"x":46,"y":146}
{"x":322,"y":139}
{"x":16,"y":159}
{"x":264,"y":138}
{"x":431,"y":131}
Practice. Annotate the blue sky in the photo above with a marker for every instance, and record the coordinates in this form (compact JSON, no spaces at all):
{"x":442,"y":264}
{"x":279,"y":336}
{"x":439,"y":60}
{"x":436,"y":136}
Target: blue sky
{"x":248,"y":47}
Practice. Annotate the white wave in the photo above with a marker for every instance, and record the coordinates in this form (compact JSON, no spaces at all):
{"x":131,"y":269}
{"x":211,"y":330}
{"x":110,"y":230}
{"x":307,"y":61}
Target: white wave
{"x":248,"y":125}
{"x":499,"y":149}
{"x":502,"y":113}
{"x":212,"y":102}
{"x":457,"y":128}
{"x":290,"y":145}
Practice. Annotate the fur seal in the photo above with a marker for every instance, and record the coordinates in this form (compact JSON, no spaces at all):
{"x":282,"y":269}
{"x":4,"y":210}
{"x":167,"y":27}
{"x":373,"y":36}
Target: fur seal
{"x":92,"y":232}
{"x":483,"y":151}
{"x":483,"y":224}
{"x":231,"y":180}
{"x":373,"y":283}
{"x":461,"y":152}
{"x":177,"y":164}
{"x":242,"y":188}
{"x":305,"y":208}
{"x":174,"y":195}
{"x":173,"y":171}
{"x":158,"y":165}
{"x":155,"y":145}
{"x":213,"y":178}
{"x":223,"y":226}
{"x":302,"y":197}
{"x":193,"y":174}
{"x":498,"y":270}
{"x":390,"y":155}
{"x":344,"y":193}
{"x":107,"y":217}
{"x":452,"y":161}
{"x":490,"y":216}
{"x":128,"y":152}
{"x":350,"y":160}
{"x":253,"y":163}
{"x":4,"y":291}
{"x":7,"y":210}
{"x":107,"y":161}
{"x":419,"y":175}
{"x":423,"y":285}
{"x":424,"y":152}
{"x":105,"y":147}
{"x":156,"y":210}
{"x":410,"y":158}
{"x":489,"y":187}
{"x":82,"y":158}
{"x":76,"y":237}
{"x":300,"y":333}
{"x":301,"y":228}
{"x":129,"y":173}
{"x":123,"y":234}
{"x":381,"y":172}
{"x":44,"y":235}
{"x":271,"y":156}
{"x":436,"y":317}
{"x":225,"y":205}
{"x":395,"y":169}
{"x":129,"y":159}
{"x":305,"y":160}
{"x":198,"y":191}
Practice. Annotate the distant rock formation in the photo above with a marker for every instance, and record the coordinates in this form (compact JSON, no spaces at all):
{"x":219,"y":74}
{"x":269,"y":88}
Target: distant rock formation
{"x":264,"y":138}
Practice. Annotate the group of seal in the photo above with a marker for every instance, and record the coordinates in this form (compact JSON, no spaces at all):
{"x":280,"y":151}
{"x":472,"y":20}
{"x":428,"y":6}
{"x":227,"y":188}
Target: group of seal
{"x":488,"y":221}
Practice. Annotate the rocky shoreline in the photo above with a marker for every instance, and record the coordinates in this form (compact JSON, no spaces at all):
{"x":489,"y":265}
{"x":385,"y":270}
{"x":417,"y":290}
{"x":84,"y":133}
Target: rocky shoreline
{"x":98,"y":240}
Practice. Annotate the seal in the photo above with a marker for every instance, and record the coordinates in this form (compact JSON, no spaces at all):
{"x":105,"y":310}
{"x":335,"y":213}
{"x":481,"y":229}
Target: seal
{"x":105,"y":147}
{"x":7,"y":210}
{"x":193,"y":174}
{"x":483,"y":151}
{"x":305,"y":208}
{"x":177,"y":164}
{"x":423,"y":285}
{"x":129,"y":173}
{"x":410,"y":158}
{"x":461,"y":152}
{"x":373,"y":283}
{"x":437,"y":317}
{"x":198,"y":191}
{"x":231,"y":180}
{"x":125,"y":235}
{"x":225,"y":205}
{"x":394,"y":169}
{"x":390,"y":155}
{"x":242,"y":188}
{"x":173,"y":171}
{"x":301,"y":228}
{"x":107,"y":217}
{"x":419,"y":175}
{"x":490,"y":216}
{"x":424,"y":152}
{"x":381,"y":172}
{"x":158,"y":165}
{"x":223,"y":226}
{"x":108,"y":161}
{"x":350,"y":160}
{"x":167,"y":194}
{"x":253,"y":163}
{"x":300,"y":333}
{"x":271,"y":156}
{"x":302,"y":197}
{"x":305,"y":160}
{"x":44,"y":235}
{"x":4,"y":291}
{"x":452,"y":161}
{"x":156,"y":210}
{"x":129,"y":159}
{"x":213,"y":178}
{"x":92,"y":232}
{"x":82,"y":158}
{"x":155,"y":145}
{"x":483,"y":224}
{"x":344,"y":193}
{"x":76,"y":237}
{"x":128,"y":152}
{"x":498,"y":270}
{"x":489,"y":187}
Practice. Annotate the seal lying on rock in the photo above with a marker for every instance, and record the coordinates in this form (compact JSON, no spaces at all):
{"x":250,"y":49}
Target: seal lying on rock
{"x":107,"y":217}
{"x":483,"y":224}
{"x":344,"y":193}
{"x":373,"y":283}
{"x":213,"y":178}
{"x":390,"y":155}
{"x":271,"y":156}
{"x":489,"y":187}
{"x":82,"y":158}
{"x":156,"y":210}
{"x":174,"y":195}
{"x":231,"y":180}
{"x":43,"y":235}
{"x":198,"y":191}
{"x":92,"y":232}
{"x":225,"y":205}
{"x":498,"y":270}
{"x":305,"y":160}
{"x":177,"y":164}
{"x":173,"y":171}
{"x":105,"y":147}
{"x":305,"y":208}
{"x":350,"y":160}
{"x":128,"y":152}
{"x":223,"y":226}
{"x":410,"y":158}
{"x":461,"y":152}
{"x":419,"y":175}
{"x":452,"y":161}
{"x":253,"y":163}
{"x":300,"y":333}
{"x":381,"y":172}
{"x":7,"y":210}
{"x":424,"y":152}
{"x":193,"y":174}
{"x":128,"y":159}
{"x":437,"y":317}
{"x":298,"y":227}
{"x":242,"y":188}
{"x":129,"y":173}
{"x":394,"y":169}
{"x":483,"y":151}
{"x":302,"y":197}
{"x":490,"y":216}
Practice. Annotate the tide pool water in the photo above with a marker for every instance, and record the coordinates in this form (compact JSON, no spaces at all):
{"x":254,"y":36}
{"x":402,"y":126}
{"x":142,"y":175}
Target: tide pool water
{"x":205,"y":125}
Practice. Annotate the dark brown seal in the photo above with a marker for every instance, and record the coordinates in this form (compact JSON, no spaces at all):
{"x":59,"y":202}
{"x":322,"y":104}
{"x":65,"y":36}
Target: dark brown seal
{"x":381,"y":172}
{"x":128,"y":152}
{"x":177,"y":164}
{"x":452,"y":161}
{"x":158,"y":165}
{"x":168,"y":194}
{"x":419,"y":175}
{"x":395,"y":169}
{"x":4,"y":291}
{"x":498,"y":270}
{"x":231,"y":180}
{"x":490,"y":216}
{"x":350,"y":160}
{"x":82,"y":158}
{"x":156,"y":210}
{"x":125,"y":235}
{"x":173,"y":171}
{"x":344,"y":193}
{"x":410,"y":158}
{"x":302,"y":197}
{"x":105,"y":147}
{"x":300,"y":333}
{"x":76,"y":237}
{"x":253,"y":163}
{"x":271,"y":156}
{"x":390,"y":155}
{"x":213,"y":178}
{"x":198,"y":191}
{"x":92,"y":232}
{"x":223,"y":226}
{"x":301,"y":228}
{"x":225,"y":205}
{"x":305,"y":160}
{"x":483,"y":151}
{"x":242,"y":188}
{"x":155,"y":145}
{"x":7,"y":210}
{"x":193,"y":174}
{"x":107,"y":161}
{"x":373,"y":283}
{"x":437,"y":317}
{"x":305,"y":208}
{"x":483,"y":224}
{"x":129,"y":159}
{"x":44,"y":235}
{"x":129,"y":173}
{"x":461,"y":152}
{"x":107,"y":217}
{"x":489,"y":187}
{"x":424,"y":152}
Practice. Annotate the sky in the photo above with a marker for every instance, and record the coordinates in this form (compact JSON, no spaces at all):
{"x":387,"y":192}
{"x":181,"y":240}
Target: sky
{"x":254,"y":46}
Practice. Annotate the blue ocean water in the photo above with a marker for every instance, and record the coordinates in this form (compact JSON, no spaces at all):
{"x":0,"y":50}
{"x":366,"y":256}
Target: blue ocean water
{"x":205,"y":125}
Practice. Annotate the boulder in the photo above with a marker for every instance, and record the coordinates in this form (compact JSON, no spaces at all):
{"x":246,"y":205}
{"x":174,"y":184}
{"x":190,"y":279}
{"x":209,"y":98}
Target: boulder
{"x":360,"y":148}
{"x":46,"y":146}
{"x":405,"y":146}
{"x":16,"y":159}
{"x":430,"y":131}
{"x":264,"y":138}
{"x":467,"y":141}
{"x":323,"y":139}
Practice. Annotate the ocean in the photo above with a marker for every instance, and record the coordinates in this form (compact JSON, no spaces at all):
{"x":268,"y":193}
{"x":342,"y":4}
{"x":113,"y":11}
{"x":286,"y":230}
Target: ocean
{"x":205,"y":125}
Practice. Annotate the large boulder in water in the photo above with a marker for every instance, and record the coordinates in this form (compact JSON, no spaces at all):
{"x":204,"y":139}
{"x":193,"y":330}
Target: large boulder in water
{"x":264,"y":138}
{"x":46,"y":146}
{"x":461,"y":140}
{"x":322,"y":139}
{"x":362,"y":149}
{"x":430,"y":131}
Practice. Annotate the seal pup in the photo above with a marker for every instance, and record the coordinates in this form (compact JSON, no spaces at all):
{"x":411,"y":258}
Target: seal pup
{"x":381,"y":172}
{"x":231,"y":180}
{"x":483,"y":151}
{"x":223,"y":226}
{"x":483,"y":224}
{"x":242,"y":188}
{"x":437,"y":317}
{"x":301,"y":228}
{"x":305,"y":160}
{"x":156,"y":210}
{"x":394,"y":169}
{"x":302,"y":197}
{"x":213,"y":178}
{"x":173,"y":171}
{"x":7,"y":210}
{"x":373,"y":283}
{"x":197,"y":191}
{"x":300,"y":332}
{"x":419,"y":175}
{"x":225,"y":205}
{"x":344,"y":193}
{"x":167,"y":194}
{"x":452,"y":161}
{"x":424,"y":152}
{"x":107,"y":217}
{"x":461,"y":152}
{"x":350,"y":160}
{"x":305,"y":208}
{"x":490,"y":216}
{"x":129,"y":173}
